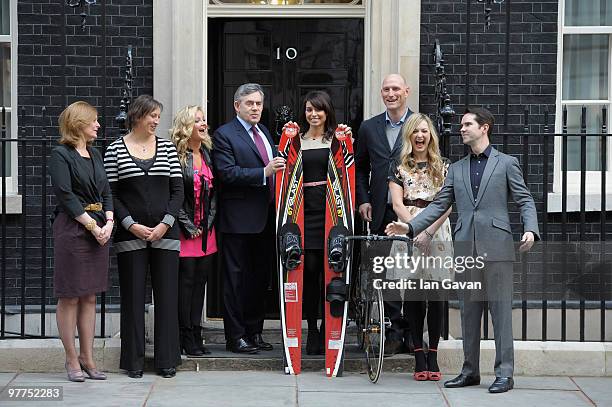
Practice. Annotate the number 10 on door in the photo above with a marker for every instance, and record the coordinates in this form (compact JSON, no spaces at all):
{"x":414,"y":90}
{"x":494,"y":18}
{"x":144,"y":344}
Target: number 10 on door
{"x":290,"y":53}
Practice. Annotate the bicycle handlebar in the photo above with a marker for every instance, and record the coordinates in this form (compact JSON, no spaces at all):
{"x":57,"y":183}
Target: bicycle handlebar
{"x":377,"y":238}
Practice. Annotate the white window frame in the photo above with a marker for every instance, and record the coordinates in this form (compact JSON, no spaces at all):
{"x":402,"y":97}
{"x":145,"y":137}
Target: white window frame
{"x":11,"y":39}
{"x":593,"y":185}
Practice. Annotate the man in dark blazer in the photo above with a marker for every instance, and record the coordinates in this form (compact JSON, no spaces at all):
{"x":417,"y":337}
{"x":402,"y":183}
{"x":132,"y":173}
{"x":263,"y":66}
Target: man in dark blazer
{"x":379,"y":143}
{"x":245,"y":161}
{"x":480,"y":185}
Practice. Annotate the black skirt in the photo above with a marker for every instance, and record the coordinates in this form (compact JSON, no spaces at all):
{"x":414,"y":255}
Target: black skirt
{"x":81,"y":264}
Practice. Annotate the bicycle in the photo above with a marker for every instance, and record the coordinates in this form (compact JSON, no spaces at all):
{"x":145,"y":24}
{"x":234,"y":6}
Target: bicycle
{"x":368,"y":306}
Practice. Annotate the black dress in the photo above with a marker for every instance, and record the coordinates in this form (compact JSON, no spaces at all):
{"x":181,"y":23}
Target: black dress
{"x":315,"y":155}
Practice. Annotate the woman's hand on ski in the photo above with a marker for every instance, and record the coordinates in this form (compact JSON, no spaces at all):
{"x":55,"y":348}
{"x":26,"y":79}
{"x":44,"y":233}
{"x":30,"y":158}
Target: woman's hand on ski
{"x":347,"y":130}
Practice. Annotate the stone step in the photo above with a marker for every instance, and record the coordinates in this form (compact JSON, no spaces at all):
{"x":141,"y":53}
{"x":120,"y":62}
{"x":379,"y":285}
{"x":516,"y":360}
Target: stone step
{"x":271,"y":335}
{"x":221,"y":359}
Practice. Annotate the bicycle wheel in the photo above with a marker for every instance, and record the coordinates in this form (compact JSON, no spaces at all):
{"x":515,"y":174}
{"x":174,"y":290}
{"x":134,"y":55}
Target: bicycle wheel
{"x":374,"y":335}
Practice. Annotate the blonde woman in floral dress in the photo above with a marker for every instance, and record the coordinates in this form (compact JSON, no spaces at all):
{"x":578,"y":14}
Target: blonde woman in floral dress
{"x":413,"y":183}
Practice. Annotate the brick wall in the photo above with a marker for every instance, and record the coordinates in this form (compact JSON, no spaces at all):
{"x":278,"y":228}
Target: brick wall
{"x":531,"y":75}
{"x":60,"y":63}
{"x":533,"y":57}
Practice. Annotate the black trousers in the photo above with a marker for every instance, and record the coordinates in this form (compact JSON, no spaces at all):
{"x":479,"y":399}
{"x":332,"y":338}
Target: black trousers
{"x":248,"y":261}
{"x":133,"y":267}
{"x":314,"y":292}
{"x":393,"y":306}
{"x":193,"y":275}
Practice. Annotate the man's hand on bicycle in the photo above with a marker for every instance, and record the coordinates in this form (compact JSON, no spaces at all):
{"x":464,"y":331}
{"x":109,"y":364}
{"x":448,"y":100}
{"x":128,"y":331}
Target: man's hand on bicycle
{"x":397,"y":228}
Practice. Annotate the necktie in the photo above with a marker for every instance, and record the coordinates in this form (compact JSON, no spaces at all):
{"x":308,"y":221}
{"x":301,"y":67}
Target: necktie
{"x":261,"y":147}
{"x":263,"y":153}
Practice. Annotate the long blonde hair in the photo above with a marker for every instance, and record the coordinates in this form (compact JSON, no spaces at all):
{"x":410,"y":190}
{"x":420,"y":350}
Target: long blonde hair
{"x":435,"y":167}
{"x":182,"y":128}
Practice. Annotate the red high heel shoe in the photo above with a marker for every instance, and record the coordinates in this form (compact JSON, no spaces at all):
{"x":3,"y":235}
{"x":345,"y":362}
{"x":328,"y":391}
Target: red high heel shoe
{"x":433,"y":376}
{"x":423,"y":375}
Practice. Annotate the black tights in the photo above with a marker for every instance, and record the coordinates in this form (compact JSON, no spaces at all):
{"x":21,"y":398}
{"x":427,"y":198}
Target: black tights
{"x":313,"y":304}
{"x":193,"y":274}
{"x":432,"y":305}
{"x":416,"y":318}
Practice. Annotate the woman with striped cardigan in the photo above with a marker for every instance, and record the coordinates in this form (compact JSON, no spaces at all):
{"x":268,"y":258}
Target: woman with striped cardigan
{"x":146,"y":180}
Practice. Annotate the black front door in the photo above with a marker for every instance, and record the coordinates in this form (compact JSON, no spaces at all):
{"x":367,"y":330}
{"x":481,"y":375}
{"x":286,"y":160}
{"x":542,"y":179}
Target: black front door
{"x":289,"y":58}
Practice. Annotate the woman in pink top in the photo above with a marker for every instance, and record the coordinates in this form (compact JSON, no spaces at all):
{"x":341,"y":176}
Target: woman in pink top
{"x":196,"y":218}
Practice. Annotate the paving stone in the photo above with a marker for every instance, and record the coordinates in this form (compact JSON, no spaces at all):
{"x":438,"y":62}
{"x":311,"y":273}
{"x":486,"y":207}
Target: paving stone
{"x":538,"y":382}
{"x":351,"y":383}
{"x":5,"y":378}
{"x":60,"y":378}
{"x":479,"y":396}
{"x":369,"y":398}
{"x":221,"y":396}
{"x":246,"y":378}
{"x":598,"y":389}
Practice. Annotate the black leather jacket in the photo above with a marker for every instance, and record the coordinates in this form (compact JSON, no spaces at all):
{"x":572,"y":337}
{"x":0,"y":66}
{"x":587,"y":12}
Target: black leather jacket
{"x":208,"y":200}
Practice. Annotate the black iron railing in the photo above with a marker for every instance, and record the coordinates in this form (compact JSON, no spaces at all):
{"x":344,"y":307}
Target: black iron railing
{"x":32,"y":176}
{"x":569,"y":270}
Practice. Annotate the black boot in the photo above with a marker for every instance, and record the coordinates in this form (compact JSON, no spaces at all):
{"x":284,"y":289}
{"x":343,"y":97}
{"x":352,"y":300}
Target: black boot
{"x":197,"y":339}
{"x":188,"y":345}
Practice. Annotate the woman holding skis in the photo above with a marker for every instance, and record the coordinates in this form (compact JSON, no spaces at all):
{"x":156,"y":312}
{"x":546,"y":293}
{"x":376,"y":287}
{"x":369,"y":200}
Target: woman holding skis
{"x":318,"y":125}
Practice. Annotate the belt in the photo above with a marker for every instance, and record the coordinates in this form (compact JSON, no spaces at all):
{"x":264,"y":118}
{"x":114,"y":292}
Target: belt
{"x":314,"y":183}
{"x":419,"y":203}
{"x":94,"y":207}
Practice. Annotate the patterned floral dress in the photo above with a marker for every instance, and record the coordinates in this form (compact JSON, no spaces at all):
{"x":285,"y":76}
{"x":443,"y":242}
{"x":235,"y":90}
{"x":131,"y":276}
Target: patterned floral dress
{"x":418,"y":184}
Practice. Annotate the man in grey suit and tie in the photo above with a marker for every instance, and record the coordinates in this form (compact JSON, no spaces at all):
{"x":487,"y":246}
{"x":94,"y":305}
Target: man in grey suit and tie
{"x":480,"y":185}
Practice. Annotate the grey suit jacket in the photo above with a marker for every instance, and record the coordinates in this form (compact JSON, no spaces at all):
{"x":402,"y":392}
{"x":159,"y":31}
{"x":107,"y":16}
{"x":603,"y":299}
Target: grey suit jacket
{"x":483,"y":220}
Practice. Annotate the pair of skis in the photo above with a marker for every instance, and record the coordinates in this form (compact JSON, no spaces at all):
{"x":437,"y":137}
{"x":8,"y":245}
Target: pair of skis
{"x":339,"y":213}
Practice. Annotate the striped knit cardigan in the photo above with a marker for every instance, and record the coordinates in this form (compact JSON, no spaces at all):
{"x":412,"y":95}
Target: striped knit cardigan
{"x":145,"y":197}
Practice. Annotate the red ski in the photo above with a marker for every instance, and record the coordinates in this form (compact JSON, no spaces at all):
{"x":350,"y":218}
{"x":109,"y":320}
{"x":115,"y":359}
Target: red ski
{"x":290,"y":238}
{"x":339,"y":218}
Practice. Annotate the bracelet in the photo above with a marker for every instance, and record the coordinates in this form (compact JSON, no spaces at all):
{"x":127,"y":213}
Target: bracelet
{"x":91,"y":225}
{"x":110,"y":220}
{"x":428,"y":234}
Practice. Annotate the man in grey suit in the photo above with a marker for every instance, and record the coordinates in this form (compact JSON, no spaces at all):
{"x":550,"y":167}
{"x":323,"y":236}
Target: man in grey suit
{"x":480,"y":185}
